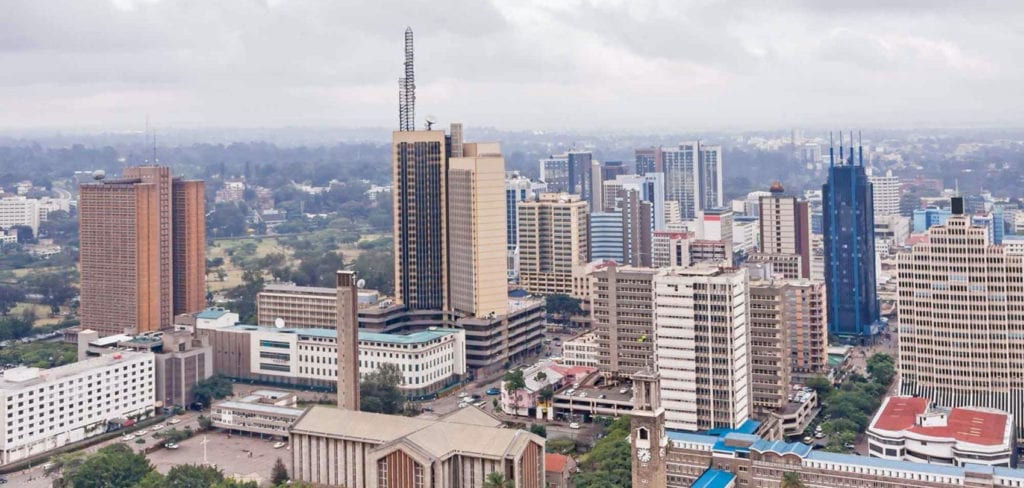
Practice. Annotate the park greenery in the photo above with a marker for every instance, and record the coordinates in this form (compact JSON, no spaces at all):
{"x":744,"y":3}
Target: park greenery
{"x":608,"y":464}
{"x":561,"y":307}
{"x":212,"y":388}
{"x":379,"y":392}
{"x":848,"y":409}
{"x":38,"y":354}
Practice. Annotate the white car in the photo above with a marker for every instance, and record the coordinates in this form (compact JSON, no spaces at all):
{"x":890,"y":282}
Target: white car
{"x":141,"y":433}
{"x":463,"y":395}
{"x":171,"y":445}
{"x":173,"y":421}
{"x":157,"y":427}
{"x":278,"y":445}
{"x":574,"y":425}
{"x":128,"y":437}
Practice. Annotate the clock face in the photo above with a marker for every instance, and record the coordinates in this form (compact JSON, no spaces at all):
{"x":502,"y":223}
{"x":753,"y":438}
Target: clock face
{"x":644,"y":455}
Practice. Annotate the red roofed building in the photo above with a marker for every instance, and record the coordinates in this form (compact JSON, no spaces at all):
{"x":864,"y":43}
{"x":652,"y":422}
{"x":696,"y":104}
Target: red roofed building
{"x":910,"y":429}
{"x":558,"y":470}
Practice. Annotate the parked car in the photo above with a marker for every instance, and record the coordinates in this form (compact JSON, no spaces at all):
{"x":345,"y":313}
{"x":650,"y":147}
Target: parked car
{"x":278,"y":445}
{"x":574,"y":425}
{"x":173,"y":421}
{"x":171,"y":445}
{"x":493,"y":391}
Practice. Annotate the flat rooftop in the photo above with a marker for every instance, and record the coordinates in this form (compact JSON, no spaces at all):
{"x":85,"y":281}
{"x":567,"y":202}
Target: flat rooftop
{"x":420,"y":337}
{"x":260,"y":407}
{"x":212,"y":313}
{"x":977,"y":426}
{"x":714,"y":478}
{"x":21,"y":377}
{"x":293,"y":288}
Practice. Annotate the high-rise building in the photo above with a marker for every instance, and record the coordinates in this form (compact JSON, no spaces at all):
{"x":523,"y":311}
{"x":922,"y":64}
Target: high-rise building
{"x":606,"y":237}
{"x":621,"y":313}
{"x":476,"y":231}
{"x":142,"y":250}
{"x":651,"y":188}
{"x":925,"y":218}
{"x":885,"y":191}
{"x":671,"y":249}
{"x":517,"y":189}
{"x":554,"y":171}
{"x":613,"y":169}
{"x":849,"y":226}
{"x":18,"y":210}
{"x":785,"y":230}
{"x":710,"y":176}
{"x":421,"y":218}
{"x":553,"y":234}
{"x":188,"y":246}
{"x":648,"y":160}
{"x":693,"y":177}
{"x":961,"y":333}
{"x":701,"y":329}
{"x":581,"y":173}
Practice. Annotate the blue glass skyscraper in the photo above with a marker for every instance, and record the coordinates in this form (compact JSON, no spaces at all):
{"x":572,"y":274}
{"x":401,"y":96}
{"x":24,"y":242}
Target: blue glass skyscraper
{"x":848,"y":225}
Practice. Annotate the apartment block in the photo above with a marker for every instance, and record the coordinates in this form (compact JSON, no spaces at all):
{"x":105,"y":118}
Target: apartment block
{"x":297,"y":306}
{"x":553,"y":234}
{"x":701,"y":334}
{"x":622,"y":316}
{"x":19,"y":210}
{"x":786,"y":232}
{"x":49,"y":408}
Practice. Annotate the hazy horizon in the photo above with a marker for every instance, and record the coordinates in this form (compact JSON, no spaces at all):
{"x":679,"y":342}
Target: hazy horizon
{"x":597,"y":66}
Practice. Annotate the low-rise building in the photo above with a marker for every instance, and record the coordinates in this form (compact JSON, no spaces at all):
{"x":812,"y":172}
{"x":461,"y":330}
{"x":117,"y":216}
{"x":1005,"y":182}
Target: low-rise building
{"x":531,"y":401}
{"x":430,"y":360}
{"x":909,"y":428}
{"x":558,"y":470}
{"x":580,"y":350}
{"x":49,"y":408}
{"x":335,"y":447}
{"x":264,"y":412}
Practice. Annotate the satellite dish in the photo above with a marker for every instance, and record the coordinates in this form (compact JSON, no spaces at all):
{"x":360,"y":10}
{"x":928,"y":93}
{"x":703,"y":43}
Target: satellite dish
{"x":361,"y":283}
{"x":99,"y":174}
{"x":279,"y":323}
{"x":431,"y":120}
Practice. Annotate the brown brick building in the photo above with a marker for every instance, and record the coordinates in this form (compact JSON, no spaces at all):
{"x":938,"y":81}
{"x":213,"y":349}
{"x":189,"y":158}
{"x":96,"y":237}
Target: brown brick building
{"x":142,"y":250}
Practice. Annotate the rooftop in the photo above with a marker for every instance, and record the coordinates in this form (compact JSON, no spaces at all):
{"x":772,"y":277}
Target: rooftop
{"x":714,"y":478}
{"x":259,"y":407}
{"x":440,"y":438}
{"x":293,"y":288}
{"x":364,"y":336}
{"x":855,"y":460}
{"x":554,"y":462}
{"x":20,"y":377}
{"x":974,"y":425}
{"x":212,"y":313}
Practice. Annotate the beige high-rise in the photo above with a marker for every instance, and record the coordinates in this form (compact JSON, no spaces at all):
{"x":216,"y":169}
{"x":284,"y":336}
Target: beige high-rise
{"x":961,"y":320}
{"x":622,"y":314}
{"x":553,"y":239}
{"x":478,"y":274}
{"x":785,"y":233}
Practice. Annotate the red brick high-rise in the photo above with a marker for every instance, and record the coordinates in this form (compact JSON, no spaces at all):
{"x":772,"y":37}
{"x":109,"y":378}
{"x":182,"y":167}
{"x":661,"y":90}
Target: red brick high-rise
{"x":142,"y":252}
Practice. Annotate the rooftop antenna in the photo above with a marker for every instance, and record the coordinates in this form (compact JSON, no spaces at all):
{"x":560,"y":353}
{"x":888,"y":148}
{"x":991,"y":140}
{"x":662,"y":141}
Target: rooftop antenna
{"x":851,"y":149}
{"x":407,"y":89}
{"x":842,"y":155}
{"x":860,"y":147}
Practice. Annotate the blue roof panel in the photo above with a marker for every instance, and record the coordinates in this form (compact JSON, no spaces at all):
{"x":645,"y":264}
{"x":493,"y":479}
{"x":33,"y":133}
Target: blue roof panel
{"x":714,"y":478}
{"x":885,"y":463}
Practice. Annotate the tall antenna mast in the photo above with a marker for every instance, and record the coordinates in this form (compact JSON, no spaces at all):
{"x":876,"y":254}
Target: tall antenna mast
{"x":407,"y":89}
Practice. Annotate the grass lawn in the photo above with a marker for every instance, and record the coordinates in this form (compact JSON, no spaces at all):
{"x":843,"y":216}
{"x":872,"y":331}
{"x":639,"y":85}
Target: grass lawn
{"x":219,"y":249}
{"x":42,"y":313}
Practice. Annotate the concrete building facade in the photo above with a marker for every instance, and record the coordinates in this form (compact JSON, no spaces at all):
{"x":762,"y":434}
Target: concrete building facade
{"x":553,"y":234}
{"x":622,"y":317}
{"x":785,"y":231}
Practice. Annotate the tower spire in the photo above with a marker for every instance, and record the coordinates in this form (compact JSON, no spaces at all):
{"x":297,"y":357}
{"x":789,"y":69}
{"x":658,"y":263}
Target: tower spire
{"x":407,"y":88}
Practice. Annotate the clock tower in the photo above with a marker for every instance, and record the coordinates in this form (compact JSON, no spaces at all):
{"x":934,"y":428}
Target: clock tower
{"x":647,"y":432}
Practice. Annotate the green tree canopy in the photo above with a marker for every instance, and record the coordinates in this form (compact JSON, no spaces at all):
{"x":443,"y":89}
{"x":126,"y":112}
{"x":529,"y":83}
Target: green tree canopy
{"x":114,"y":466}
{"x":562,"y":305}
{"x":279,"y":475}
{"x":379,"y":391}
{"x":609,"y":463}
{"x":193,"y":476}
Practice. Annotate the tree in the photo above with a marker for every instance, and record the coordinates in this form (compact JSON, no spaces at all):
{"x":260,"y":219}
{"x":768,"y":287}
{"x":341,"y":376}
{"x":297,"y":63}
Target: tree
{"x":212,"y":388}
{"x":379,"y":391}
{"x":205,"y":423}
{"x":791,"y":479}
{"x":497,"y":480}
{"x":9,"y":297}
{"x":153,"y":479}
{"x":539,"y":429}
{"x":881,"y":368}
{"x":563,"y":306}
{"x":821,"y":385}
{"x":514,"y":382}
{"x":279,"y":475}
{"x":193,"y":476}
{"x":377,"y":268}
{"x":608,"y":463}
{"x":114,"y":466}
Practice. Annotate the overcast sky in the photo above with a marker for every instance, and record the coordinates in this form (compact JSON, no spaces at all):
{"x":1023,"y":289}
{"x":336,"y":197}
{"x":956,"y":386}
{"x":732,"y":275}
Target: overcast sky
{"x":517,"y":64}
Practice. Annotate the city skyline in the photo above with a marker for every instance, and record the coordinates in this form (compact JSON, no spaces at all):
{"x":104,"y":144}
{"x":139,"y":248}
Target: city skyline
{"x":109,"y":64}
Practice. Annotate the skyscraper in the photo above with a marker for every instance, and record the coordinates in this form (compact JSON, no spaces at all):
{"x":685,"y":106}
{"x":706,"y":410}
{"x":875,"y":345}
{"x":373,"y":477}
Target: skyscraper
{"x":785,"y":232}
{"x":606,"y":237}
{"x":648,"y":160}
{"x":849,"y":226}
{"x":693,"y":177}
{"x":885,"y":194}
{"x":701,"y":329}
{"x":553,"y":232}
{"x":621,"y":312}
{"x":142,"y":250}
{"x":580,"y":173}
{"x":961,"y":333}
{"x":421,"y":218}
{"x":476,"y":231}
{"x":554,"y":171}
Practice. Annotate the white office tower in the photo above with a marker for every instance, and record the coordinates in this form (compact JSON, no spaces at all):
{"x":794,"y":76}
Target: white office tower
{"x":961,"y":329}
{"x":701,"y":334}
{"x":886,"y":194}
{"x":49,"y":408}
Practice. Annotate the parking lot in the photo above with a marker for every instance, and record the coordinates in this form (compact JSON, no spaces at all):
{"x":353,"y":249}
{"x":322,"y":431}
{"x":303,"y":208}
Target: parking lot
{"x":239,"y":456}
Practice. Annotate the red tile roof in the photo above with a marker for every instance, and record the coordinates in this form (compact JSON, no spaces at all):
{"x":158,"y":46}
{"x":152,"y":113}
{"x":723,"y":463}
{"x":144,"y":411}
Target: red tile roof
{"x":555,"y":463}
